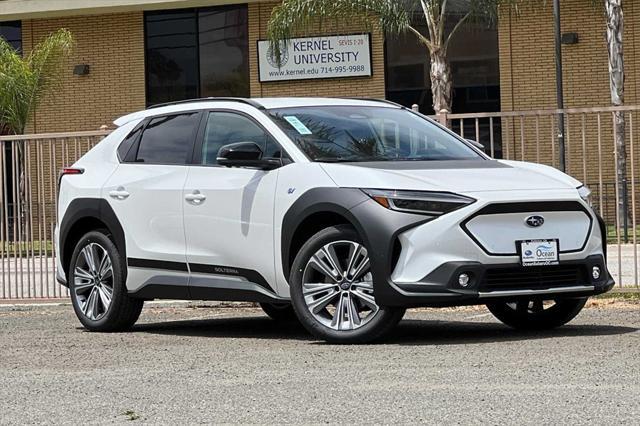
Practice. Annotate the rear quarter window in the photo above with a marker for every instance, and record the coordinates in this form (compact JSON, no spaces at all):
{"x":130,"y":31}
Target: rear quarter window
{"x":128,"y":142}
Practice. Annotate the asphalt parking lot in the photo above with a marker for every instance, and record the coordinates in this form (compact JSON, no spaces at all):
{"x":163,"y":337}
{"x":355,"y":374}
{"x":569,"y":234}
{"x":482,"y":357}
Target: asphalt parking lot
{"x":203,"y":364}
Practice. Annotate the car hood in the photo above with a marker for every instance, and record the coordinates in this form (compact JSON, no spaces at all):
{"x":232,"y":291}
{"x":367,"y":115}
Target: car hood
{"x":452,"y":176}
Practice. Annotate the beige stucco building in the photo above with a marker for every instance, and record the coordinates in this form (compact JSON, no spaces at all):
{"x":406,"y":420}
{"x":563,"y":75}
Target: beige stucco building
{"x":110,"y":37}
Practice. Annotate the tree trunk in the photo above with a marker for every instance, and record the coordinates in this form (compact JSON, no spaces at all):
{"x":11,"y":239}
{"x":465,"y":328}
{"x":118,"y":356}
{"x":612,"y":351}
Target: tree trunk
{"x":441,"y":83}
{"x":615,"y":28}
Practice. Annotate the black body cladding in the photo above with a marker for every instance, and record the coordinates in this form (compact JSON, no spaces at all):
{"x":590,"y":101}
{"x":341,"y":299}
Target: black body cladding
{"x":441,"y":287}
{"x":379,"y":229}
{"x":83,"y":209}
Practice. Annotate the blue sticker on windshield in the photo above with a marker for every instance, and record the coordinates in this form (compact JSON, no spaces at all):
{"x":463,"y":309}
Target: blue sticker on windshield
{"x":298,"y":125}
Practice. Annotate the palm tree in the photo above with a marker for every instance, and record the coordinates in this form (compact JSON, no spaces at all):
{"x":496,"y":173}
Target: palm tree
{"x":393,"y":17}
{"x":25,"y":81}
{"x":615,"y":29}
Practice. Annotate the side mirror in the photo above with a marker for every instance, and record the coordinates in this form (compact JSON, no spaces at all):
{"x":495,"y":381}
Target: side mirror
{"x":477,"y":145}
{"x":245,"y":154}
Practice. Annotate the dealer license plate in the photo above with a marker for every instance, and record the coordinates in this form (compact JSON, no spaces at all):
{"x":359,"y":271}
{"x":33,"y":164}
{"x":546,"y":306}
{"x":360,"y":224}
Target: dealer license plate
{"x":538,"y":252}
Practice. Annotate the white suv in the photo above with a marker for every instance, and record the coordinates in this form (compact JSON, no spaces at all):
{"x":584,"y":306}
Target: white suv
{"x":341,"y":212}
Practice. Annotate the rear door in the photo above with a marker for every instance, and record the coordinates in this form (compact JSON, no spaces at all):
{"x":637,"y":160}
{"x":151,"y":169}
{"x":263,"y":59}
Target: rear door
{"x":146,"y":194}
{"x":228,"y":212}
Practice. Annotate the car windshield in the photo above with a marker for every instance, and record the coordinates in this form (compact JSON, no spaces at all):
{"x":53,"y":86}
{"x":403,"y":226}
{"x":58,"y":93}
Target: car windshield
{"x":357,"y":133}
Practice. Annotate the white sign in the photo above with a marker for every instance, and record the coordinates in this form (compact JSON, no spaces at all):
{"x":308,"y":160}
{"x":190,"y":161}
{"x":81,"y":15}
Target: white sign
{"x":316,"y":57}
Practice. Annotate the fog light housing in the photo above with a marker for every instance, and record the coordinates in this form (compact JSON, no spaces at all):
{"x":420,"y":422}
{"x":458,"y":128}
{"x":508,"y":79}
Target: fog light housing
{"x":464,"y":279}
{"x":595,"y":272}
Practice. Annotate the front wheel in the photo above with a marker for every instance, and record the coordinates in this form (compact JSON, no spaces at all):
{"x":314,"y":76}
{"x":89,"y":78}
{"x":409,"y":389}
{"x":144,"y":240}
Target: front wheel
{"x":537,"y":314}
{"x":332,"y":289}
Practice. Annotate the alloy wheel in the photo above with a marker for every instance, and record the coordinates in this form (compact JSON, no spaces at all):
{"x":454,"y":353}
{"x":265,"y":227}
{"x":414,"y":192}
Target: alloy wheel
{"x":93,"y":281}
{"x":337,"y":286}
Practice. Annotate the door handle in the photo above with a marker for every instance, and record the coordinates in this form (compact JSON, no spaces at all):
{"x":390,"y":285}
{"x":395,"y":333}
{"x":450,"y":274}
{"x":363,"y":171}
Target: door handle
{"x":195,"y":197}
{"x":119,"y":194}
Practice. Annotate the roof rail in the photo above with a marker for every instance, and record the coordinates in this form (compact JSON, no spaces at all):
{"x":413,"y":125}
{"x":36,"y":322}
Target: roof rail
{"x":384,"y":101}
{"x":210,"y":99}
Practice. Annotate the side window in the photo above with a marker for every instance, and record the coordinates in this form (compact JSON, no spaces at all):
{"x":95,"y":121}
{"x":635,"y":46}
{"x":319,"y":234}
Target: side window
{"x":126,"y":144}
{"x":168,"y":140}
{"x":224,"y":128}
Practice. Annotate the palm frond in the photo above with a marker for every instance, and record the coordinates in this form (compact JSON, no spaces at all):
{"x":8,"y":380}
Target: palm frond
{"x":25,"y":81}
{"x":11,"y":85}
{"x":295,"y":16}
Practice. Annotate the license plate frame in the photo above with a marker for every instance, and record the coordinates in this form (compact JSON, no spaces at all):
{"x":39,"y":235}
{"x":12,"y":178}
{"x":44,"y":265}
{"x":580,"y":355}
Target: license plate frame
{"x":539,"y":252}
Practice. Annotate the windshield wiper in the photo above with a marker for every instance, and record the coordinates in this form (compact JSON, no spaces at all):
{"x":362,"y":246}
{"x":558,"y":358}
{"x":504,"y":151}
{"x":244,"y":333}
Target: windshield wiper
{"x":333,"y":160}
{"x":416,"y":159}
{"x":349,"y":159}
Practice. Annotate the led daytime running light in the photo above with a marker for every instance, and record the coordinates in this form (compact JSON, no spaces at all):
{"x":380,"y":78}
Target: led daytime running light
{"x":426,"y":203}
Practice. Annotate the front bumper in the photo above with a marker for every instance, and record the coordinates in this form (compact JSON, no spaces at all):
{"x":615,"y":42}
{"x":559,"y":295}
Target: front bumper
{"x":416,"y":262}
{"x":505,"y":281}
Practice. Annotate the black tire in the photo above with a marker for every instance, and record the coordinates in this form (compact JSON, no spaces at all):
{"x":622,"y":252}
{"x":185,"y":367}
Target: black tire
{"x":123,"y":311}
{"x":381,"y":323}
{"x":281,"y":312}
{"x":531,"y":315}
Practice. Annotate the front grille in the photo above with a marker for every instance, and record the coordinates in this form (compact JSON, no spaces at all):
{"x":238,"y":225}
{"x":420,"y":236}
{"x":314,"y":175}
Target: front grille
{"x":532,"y":277}
{"x":482,"y":226}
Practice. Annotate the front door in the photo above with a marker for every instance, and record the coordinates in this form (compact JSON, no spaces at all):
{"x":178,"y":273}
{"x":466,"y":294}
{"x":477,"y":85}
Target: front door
{"x":228,"y":213}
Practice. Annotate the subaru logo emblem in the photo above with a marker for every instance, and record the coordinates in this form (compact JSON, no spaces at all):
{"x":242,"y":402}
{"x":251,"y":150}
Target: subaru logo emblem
{"x":534,"y":221}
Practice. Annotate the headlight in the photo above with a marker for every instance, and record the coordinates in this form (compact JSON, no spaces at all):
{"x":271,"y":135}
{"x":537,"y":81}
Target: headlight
{"x":427,"y":203}
{"x":585,"y":194}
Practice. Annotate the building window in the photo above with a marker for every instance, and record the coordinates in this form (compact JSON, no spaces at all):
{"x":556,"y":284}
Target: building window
{"x":194,"y":53}
{"x":12,"y":33}
{"x":473,"y":54}
{"x":171,"y":56}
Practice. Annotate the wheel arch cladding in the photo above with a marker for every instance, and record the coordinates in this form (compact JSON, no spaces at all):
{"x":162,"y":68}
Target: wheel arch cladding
{"x":84,"y":215}
{"x":313,"y":211}
{"x":603,"y":231}
{"x":378,"y":227}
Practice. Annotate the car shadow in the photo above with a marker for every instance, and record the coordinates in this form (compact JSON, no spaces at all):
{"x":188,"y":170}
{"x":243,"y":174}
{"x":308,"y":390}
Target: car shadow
{"x":426,"y":332}
{"x":228,"y":327}
{"x":408,"y":332}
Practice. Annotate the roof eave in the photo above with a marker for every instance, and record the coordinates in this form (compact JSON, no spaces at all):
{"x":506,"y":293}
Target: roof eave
{"x":36,"y":9}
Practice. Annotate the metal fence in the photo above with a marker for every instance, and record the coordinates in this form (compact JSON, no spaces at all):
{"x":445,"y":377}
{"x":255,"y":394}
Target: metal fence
{"x":30,"y":166}
{"x":29,"y":170}
{"x":589,"y":144}
{"x":591,"y":156}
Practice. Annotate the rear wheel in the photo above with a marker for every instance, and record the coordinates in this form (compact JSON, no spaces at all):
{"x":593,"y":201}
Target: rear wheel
{"x":96,"y":281}
{"x":537,"y":314}
{"x":332,"y":289}
{"x":282,"y":312}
